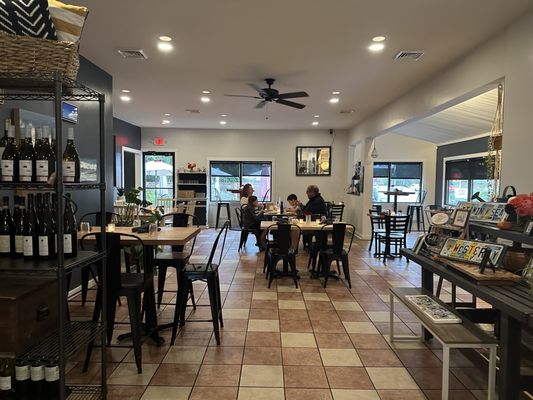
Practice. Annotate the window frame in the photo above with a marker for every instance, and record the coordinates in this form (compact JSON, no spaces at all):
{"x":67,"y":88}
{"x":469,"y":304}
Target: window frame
{"x":464,"y":158}
{"x":241,"y":164}
{"x":389,"y":178}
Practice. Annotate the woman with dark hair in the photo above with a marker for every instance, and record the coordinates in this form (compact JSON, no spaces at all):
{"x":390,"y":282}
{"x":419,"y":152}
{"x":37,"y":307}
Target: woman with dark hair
{"x":246,"y":192}
{"x":251,"y":219}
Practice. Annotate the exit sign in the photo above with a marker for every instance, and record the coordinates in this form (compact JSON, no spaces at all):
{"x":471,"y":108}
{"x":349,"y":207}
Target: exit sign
{"x":159,"y":141}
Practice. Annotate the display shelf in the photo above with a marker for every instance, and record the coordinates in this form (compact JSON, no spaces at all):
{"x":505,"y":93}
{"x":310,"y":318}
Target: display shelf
{"x":191,"y":198}
{"x":46,"y":187}
{"x":78,"y":334}
{"x":84,"y":393}
{"x":19,"y":264}
{"x":513,"y":235}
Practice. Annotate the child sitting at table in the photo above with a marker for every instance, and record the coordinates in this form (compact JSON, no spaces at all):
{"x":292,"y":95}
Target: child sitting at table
{"x":293,"y":204}
{"x":252,"y":215}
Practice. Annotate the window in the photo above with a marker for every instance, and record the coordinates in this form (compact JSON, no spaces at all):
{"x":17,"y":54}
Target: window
{"x":231,"y":175}
{"x":404,"y":176}
{"x":158,"y":176}
{"x":464,"y":178}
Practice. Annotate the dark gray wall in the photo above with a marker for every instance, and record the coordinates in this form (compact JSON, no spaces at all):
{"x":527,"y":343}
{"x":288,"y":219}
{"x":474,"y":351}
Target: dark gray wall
{"x":127,"y":135}
{"x":473,"y":146}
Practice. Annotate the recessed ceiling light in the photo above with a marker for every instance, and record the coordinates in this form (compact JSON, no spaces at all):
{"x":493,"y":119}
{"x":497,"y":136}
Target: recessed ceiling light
{"x":205,"y":99}
{"x":167,"y":115}
{"x":165,"y":38}
{"x":314,"y":123}
{"x":206,"y":91}
{"x":222,"y":122}
{"x":378,"y":39}
{"x":165,"y":122}
{"x":334,"y":100}
{"x":376,"y":47}
{"x":335,"y":93}
{"x":223,"y":115}
{"x":125,"y":98}
{"x":316,"y":116}
{"x":165,"y":46}
{"x":126,"y":91}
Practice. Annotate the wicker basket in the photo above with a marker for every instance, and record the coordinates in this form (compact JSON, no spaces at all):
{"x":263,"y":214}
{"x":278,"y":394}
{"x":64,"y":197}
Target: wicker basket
{"x":516,"y":259}
{"x":24,"y":54}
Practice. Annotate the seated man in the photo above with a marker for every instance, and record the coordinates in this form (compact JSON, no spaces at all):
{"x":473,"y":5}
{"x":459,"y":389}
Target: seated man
{"x":316,"y":204}
{"x":251,"y":219}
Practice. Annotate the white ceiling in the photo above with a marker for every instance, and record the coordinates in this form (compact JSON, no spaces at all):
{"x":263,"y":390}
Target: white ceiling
{"x":312,"y":45}
{"x":465,"y":120}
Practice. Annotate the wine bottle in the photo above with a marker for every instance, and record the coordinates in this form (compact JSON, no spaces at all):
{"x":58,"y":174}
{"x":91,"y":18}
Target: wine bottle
{"x":45,"y":164}
{"x":6,"y":376}
{"x":53,"y":141}
{"x":27,"y":158}
{"x":70,"y":232}
{"x":4,"y":139}
{"x":22,"y":380}
{"x":281,"y":207}
{"x":7,"y":230}
{"x":46,"y":228}
{"x":71,"y":160}
{"x":10,"y":158}
{"x":38,"y":140}
{"x":31,"y":244}
{"x":37,"y":381}
{"x":51,"y":377}
{"x":19,"y":228}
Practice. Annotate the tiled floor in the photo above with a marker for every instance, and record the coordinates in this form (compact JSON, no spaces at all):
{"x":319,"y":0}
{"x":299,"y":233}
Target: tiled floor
{"x":284,"y":343}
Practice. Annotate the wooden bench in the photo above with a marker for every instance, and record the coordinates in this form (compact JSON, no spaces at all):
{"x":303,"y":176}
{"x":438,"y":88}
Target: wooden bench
{"x":455,"y":335}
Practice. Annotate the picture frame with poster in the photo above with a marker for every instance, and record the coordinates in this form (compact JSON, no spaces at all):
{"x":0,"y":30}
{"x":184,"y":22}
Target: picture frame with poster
{"x":460,"y":218}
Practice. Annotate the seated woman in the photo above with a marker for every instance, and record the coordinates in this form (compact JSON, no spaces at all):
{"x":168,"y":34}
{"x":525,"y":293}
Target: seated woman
{"x":247,"y":191}
{"x":251,"y":219}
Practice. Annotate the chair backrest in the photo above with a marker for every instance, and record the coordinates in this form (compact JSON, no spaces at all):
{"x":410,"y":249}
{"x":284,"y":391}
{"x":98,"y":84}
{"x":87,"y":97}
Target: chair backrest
{"x":396,"y":224}
{"x":377,"y":221}
{"x":238,"y":212}
{"x":217,"y":247}
{"x":339,"y":232}
{"x":284,"y":237}
{"x":181,"y":220}
{"x":335,"y":211}
{"x":422,"y":196}
{"x":191,"y":206}
{"x":95,"y":218}
{"x":165,"y":202}
{"x":377,"y":208}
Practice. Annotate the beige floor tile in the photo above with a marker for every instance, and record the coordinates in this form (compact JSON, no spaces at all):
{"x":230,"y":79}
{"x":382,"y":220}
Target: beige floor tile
{"x":404,"y":345}
{"x":381,"y":316}
{"x":308,"y":394}
{"x":263,"y":325}
{"x":391,"y":378}
{"x":257,"y":393}
{"x":340,"y":358}
{"x":351,"y":394}
{"x":346,"y":306}
{"x":291,"y":305}
{"x":185,"y":355}
{"x":262,"y":376}
{"x":290,"y":339}
{"x":287,"y":289}
{"x":360,"y":327}
{"x":166,"y":393}
{"x":126,"y":374}
{"x":235,"y":313}
{"x":316,"y":296}
{"x":272,"y":295}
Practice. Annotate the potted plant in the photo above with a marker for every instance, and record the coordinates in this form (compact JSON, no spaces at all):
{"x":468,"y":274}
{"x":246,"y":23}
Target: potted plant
{"x":133,"y":203}
{"x":521,"y":208}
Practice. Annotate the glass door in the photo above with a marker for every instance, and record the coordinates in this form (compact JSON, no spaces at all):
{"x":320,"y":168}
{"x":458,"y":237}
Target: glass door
{"x":158,"y":179}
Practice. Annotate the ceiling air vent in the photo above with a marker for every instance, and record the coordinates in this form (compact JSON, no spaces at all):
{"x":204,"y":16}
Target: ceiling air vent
{"x":408,"y":55}
{"x":192,"y":111}
{"x":133,"y":54}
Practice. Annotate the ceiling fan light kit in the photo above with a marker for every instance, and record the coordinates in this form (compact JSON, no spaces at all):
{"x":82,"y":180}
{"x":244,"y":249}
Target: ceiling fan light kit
{"x":270,"y":95}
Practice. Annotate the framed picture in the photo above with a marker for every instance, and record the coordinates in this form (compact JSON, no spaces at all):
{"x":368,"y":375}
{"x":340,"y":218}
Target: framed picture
{"x":460,"y":218}
{"x":529,"y":228}
{"x":69,"y":112}
{"x":358,"y":178}
{"x":313,"y":161}
{"x":527,"y":272}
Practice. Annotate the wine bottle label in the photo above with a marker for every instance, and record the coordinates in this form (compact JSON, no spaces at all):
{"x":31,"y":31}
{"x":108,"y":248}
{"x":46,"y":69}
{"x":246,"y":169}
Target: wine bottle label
{"x":22,"y":372}
{"x":43,"y":246}
{"x":42,"y":170}
{"x":51,"y":374}
{"x":5,"y":383}
{"x":67,"y":243}
{"x":28,"y":246}
{"x":37,"y":373}
{"x":7,"y":170}
{"x":25,"y":170}
{"x":19,"y":244}
{"x":69,"y":171}
{"x":5,"y":244}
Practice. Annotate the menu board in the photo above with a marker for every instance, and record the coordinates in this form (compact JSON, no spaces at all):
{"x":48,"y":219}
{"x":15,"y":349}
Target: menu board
{"x":472,"y":251}
{"x":484,"y":212}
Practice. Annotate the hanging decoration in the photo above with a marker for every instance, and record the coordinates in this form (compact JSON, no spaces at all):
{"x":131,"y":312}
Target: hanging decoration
{"x":494,"y":148}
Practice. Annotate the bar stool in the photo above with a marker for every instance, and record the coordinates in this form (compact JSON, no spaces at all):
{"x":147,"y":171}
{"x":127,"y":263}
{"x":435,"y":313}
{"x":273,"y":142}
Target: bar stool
{"x":418,"y":209}
{"x":221,"y":204}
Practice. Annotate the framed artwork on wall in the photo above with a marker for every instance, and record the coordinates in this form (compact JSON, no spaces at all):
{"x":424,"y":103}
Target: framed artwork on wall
{"x":313,"y":161}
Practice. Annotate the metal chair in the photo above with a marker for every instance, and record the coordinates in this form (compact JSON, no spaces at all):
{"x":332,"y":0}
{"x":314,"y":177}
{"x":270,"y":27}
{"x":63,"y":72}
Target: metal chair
{"x":377,"y":224}
{"x":395,"y":235}
{"x":418,"y":209}
{"x":244,"y":230}
{"x":335,"y":211}
{"x":285,"y":249}
{"x":335,"y":251}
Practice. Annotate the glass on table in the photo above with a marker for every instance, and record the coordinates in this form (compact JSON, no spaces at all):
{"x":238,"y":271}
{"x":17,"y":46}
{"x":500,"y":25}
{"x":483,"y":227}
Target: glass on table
{"x":307,"y":219}
{"x":85,"y":227}
{"x":152,"y":229}
{"x":136,"y":223}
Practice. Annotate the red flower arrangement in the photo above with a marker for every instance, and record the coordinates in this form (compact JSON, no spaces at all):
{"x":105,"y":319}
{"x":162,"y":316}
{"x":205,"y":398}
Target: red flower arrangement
{"x":522,"y":204}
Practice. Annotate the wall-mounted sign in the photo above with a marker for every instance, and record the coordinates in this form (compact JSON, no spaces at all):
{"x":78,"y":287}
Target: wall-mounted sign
{"x":159,"y":141}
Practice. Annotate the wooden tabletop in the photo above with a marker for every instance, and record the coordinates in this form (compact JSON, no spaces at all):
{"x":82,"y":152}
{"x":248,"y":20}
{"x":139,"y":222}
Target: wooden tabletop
{"x":304,"y":226}
{"x":166,"y":236}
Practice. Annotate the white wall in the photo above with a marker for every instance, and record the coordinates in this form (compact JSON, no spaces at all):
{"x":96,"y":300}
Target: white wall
{"x":506,"y":57}
{"x":201,"y":145}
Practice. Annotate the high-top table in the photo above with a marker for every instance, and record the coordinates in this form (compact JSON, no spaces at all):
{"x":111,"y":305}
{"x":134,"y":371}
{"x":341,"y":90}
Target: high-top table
{"x":397,"y":193}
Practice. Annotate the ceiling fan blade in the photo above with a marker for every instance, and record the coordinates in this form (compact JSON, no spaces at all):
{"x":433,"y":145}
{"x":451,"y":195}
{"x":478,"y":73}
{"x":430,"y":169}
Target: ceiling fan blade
{"x":292,"y":95}
{"x":290,"y":104}
{"x":257,"y":89}
{"x":242,"y":95}
{"x":261,"y":104}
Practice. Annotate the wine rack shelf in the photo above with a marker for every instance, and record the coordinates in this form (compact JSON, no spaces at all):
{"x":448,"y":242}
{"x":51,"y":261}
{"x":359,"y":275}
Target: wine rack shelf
{"x":85,"y":393}
{"x":16,"y":265}
{"x":46,"y":187}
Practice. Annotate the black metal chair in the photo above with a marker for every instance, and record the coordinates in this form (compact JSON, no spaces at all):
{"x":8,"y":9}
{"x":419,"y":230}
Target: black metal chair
{"x":208,"y":273}
{"x":244,"y":230}
{"x":418,"y":210}
{"x":130,"y":285}
{"x":285,"y":249}
{"x":177,"y":257}
{"x":395,"y":235}
{"x":335,"y":249}
{"x":335,"y":211}
{"x":377,"y":224}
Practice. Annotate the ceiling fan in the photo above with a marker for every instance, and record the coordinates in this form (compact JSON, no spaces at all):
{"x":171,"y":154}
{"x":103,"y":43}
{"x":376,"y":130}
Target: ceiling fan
{"x":269,"y":95}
